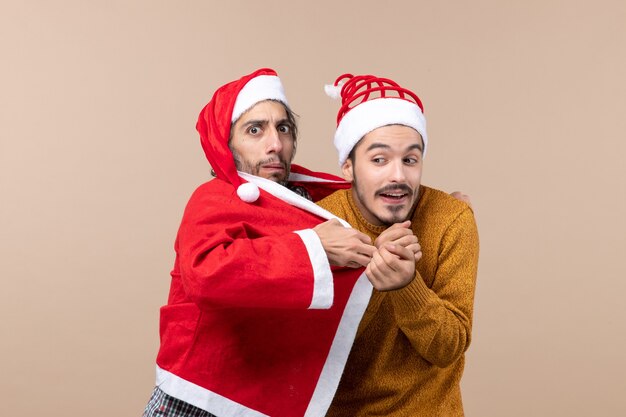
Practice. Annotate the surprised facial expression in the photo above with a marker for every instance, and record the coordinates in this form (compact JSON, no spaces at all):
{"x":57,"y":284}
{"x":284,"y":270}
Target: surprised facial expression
{"x":262,"y":141}
{"x":385,"y":171}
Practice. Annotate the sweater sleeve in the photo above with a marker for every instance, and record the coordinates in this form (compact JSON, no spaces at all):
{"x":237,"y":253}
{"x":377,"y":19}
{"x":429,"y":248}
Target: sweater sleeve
{"x":438,"y":320}
{"x":229,"y":256}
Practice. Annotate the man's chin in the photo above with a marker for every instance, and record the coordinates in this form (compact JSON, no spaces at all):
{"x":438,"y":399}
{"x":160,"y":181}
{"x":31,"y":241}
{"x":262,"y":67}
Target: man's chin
{"x":392,"y":221}
{"x":393,"y":218}
{"x":279,"y":178}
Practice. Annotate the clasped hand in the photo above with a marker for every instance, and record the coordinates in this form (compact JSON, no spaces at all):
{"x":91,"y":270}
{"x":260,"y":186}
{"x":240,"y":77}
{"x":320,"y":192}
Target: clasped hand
{"x":389,"y":262}
{"x":393,"y":264}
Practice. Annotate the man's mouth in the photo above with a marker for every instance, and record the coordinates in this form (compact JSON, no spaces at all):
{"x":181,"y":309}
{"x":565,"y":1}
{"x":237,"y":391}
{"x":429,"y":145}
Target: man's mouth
{"x":274,"y":167}
{"x":394,"y":195}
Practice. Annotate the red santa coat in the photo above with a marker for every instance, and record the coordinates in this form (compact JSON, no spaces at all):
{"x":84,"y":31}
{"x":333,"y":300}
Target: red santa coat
{"x":257,"y":323}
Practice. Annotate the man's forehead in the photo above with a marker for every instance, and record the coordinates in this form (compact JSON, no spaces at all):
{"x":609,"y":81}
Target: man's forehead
{"x":397,"y":137}
{"x":262,"y":110}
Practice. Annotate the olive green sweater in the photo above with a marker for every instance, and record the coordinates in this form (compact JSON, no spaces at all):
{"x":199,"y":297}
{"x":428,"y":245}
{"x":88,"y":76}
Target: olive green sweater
{"x":408,"y":356}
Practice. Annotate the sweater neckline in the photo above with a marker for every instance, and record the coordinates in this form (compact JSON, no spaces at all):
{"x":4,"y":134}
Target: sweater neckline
{"x":376,"y":230}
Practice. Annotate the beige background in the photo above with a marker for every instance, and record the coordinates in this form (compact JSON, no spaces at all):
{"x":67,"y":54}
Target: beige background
{"x":98,"y":101}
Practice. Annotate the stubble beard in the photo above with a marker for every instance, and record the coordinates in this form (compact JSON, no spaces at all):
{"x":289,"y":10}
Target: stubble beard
{"x":255,"y":168}
{"x":395,"y":215}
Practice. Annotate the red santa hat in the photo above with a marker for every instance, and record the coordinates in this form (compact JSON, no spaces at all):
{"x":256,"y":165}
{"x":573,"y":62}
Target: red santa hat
{"x":369,"y":102}
{"x":228,"y":103}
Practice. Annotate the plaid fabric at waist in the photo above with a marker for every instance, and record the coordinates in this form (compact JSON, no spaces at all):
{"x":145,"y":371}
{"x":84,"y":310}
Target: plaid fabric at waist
{"x":163,"y":405}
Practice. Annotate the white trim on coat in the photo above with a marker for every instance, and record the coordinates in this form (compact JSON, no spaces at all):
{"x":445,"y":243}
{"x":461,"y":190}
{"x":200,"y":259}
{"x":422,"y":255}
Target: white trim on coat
{"x":202,"y":398}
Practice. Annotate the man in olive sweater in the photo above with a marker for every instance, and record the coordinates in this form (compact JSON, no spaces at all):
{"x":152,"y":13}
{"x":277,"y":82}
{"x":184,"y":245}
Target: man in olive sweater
{"x":408,"y":355}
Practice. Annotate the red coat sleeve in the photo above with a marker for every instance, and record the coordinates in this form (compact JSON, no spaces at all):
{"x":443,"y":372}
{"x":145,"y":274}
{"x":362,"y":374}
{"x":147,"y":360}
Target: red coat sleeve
{"x":236,"y":254}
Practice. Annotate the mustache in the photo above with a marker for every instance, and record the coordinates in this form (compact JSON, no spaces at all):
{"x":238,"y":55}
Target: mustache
{"x":395,"y":188}
{"x":276,"y":160}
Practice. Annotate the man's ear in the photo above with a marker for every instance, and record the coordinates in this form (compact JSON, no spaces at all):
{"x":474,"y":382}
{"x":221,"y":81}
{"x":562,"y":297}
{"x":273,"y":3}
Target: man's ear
{"x":348,"y":170}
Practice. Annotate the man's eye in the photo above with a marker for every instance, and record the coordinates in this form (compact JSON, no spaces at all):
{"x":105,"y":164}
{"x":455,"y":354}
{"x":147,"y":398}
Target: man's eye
{"x":378,"y":160}
{"x":410,"y":161}
{"x":253,"y":130}
{"x":284,"y":129}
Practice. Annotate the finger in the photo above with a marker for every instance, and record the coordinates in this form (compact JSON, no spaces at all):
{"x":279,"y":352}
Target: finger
{"x":463,"y":197}
{"x":392,"y":235}
{"x":380,"y":265}
{"x":396,"y":234}
{"x":401,"y":269}
{"x":334,"y":222}
{"x":404,"y":224}
{"x":371,"y":276}
{"x":375,"y":275}
{"x":362,"y":254}
{"x":363,"y":237}
{"x":368,"y":272}
{"x":388,"y":261}
{"x":399,"y":251}
{"x":355,"y":264}
{"x":358,"y":260}
{"x":405,"y":240}
{"x":415,"y":247}
{"x":398,"y":229}
{"x":367,"y":250}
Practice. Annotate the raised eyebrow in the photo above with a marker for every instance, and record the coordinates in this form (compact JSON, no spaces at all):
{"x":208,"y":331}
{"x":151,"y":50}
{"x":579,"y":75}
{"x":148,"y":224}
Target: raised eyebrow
{"x":417,"y":146}
{"x":385,"y":146}
{"x":376,"y":146}
{"x":254,"y":122}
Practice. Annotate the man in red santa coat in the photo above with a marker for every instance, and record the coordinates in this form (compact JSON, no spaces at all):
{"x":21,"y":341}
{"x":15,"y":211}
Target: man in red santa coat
{"x":267,"y":288}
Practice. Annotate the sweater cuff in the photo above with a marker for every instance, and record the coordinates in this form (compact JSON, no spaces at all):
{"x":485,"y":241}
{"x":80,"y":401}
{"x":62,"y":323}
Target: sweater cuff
{"x":414,"y":296}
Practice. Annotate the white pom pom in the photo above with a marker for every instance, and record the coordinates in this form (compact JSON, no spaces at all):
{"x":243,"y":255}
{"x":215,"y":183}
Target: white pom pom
{"x":332,"y":91}
{"x":248,"y":192}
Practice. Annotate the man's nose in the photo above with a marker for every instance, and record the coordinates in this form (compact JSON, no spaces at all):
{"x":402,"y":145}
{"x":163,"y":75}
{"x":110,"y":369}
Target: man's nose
{"x":396,"y":172}
{"x":274,"y":144}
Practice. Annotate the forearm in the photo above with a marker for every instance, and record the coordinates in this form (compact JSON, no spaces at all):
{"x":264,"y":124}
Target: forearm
{"x":438,"y":330}
{"x":438,"y":320}
{"x":283,"y":271}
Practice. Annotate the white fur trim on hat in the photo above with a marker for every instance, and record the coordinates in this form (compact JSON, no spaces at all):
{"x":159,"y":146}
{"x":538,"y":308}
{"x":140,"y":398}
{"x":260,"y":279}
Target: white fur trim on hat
{"x":375,"y":113}
{"x":248,"y":192}
{"x":263,"y":87}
